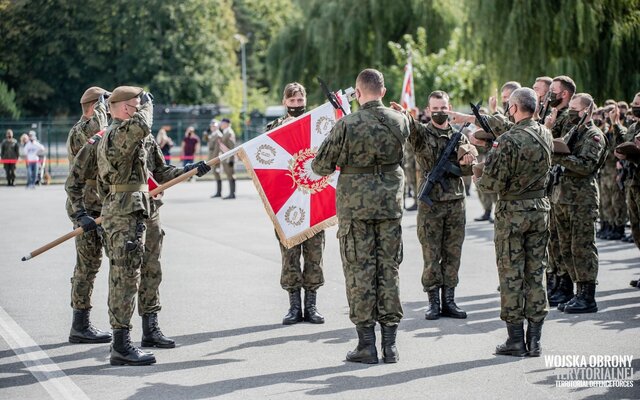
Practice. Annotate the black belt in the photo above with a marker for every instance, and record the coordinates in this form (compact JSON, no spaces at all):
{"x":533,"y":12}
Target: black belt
{"x":375,"y":169}
{"x":535,"y":194}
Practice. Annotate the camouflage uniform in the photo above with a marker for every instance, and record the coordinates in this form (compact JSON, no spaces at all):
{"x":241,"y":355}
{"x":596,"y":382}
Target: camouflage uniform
{"x":410,"y":172}
{"x":88,"y":245}
{"x":122,"y":173}
{"x":576,"y":200}
{"x":613,"y":209}
{"x":517,"y":169}
{"x":632,"y":187}
{"x":368,"y":147}
{"x":292,"y":276}
{"x":228,"y":139}
{"x":10,"y":150}
{"x":441,"y":226}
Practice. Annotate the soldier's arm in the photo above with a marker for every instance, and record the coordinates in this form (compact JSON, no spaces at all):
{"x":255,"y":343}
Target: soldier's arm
{"x":326,"y":160}
{"x":82,"y":168}
{"x":162,"y":172}
{"x":497,"y":168}
{"x":498,"y":123}
{"x":586,"y":160}
{"x":139,"y":125}
{"x":464,"y":143}
{"x":417,"y":134}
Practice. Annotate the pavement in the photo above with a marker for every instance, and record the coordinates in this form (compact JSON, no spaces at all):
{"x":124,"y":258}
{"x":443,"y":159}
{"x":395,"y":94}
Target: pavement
{"x":223,"y":305}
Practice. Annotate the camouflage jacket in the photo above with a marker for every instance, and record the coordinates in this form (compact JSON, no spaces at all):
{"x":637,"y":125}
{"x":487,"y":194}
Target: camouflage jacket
{"x":578,"y":183}
{"x":518,"y":166}
{"x":84,"y":129}
{"x":428,"y":143}
{"x":122,"y":160}
{"x":632,"y":166}
{"x":81,"y":181}
{"x":561,"y":126}
{"x":372,"y":136}
{"x":615,"y":136}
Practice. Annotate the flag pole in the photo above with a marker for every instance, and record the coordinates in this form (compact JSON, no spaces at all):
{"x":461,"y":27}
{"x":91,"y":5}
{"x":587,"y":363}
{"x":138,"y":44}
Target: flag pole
{"x":159,"y":189}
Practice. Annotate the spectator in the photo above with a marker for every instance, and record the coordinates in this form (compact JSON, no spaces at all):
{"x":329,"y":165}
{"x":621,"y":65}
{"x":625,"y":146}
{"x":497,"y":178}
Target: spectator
{"x":32,"y":149}
{"x":190,"y":146}
{"x":9,"y":153}
{"x":165,"y":143}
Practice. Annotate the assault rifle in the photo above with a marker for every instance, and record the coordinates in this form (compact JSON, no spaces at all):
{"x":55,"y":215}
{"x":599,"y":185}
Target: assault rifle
{"x":441,"y":169}
{"x":545,"y":108}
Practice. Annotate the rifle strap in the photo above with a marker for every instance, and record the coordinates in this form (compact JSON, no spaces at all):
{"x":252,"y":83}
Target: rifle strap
{"x":516,"y":196}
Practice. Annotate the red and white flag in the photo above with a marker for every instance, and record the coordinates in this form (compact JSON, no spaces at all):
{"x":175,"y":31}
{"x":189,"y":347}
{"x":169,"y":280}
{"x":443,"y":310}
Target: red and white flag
{"x":299,"y":202}
{"x":408,"y":97}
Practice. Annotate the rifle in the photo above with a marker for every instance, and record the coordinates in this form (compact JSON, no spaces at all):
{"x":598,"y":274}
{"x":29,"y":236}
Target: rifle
{"x":442,"y":167}
{"x":482,"y":119}
{"x":331,"y":96}
{"x":544,"y":109}
{"x":556,"y":170}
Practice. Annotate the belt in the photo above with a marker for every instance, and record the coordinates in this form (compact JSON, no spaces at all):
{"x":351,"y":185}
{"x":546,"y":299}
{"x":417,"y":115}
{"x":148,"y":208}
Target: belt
{"x":135,"y":187}
{"x":91,"y":182}
{"x":535,"y":194}
{"x":375,"y":169}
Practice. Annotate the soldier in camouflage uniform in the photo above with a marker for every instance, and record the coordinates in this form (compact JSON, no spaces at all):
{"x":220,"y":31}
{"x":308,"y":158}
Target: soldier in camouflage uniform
{"x":559,"y":283}
{"x":88,"y":245}
{"x":368,"y":147}
{"x":576,"y":201}
{"x":220,"y":141}
{"x":10,"y":152}
{"x":211,"y":136}
{"x":441,"y":226}
{"x":293,"y":278}
{"x":410,"y":173}
{"x":517,"y":170}
{"x":125,"y":157}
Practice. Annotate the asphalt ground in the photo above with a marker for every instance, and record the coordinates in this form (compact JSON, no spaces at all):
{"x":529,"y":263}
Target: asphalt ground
{"x":223,"y":305}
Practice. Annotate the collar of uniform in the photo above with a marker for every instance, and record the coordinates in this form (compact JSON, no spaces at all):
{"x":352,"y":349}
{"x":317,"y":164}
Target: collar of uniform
{"x":526,"y":122}
{"x":440,"y":132}
{"x":372,"y":104}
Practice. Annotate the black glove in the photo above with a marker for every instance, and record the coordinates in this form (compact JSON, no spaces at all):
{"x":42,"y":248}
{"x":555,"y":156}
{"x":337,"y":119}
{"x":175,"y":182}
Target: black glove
{"x":87,"y":223}
{"x":146,"y":98}
{"x":202,"y":167}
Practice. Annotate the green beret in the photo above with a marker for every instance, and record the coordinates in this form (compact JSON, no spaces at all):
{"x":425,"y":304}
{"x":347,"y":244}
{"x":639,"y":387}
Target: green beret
{"x":124,"y":93}
{"x":90,"y":95}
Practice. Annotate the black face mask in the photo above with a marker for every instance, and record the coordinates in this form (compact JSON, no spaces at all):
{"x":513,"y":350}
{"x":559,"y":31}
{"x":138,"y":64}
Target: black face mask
{"x":635,"y":111}
{"x":574,"y":116}
{"x":439,"y":117}
{"x":508,"y":113}
{"x":296,"y":111}
{"x":554,"y":100}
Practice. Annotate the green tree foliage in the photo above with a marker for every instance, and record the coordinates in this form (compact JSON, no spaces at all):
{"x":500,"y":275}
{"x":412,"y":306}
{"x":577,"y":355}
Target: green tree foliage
{"x":8,"y":106}
{"x":462,"y":79}
{"x":337,"y":39}
{"x":593,"y":41}
{"x":53,"y":49}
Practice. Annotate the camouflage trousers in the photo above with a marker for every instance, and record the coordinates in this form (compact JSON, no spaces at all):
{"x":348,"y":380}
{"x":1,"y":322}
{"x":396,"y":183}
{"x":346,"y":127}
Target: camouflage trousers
{"x":293,"y":277}
{"x":125,"y":237}
{"x":487,"y":200}
{"x":88,"y":261}
{"x":409,"y":168}
{"x":613,"y":208}
{"x":226,"y":167}
{"x":371,"y":252}
{"x":521,"y":253}
{"x":633,"y":205}
{"x":441,"y":234}
{"x":151,"y":270}
{"x":555,"y":265}
{"x":576,"y":226}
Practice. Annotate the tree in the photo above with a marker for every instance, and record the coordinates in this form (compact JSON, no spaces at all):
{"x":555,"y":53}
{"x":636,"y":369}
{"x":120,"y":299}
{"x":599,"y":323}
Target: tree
{"x":8,"y":106}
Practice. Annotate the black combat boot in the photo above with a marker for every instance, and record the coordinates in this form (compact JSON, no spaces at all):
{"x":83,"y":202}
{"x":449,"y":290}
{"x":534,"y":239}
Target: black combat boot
{"x":586,"y":302}
{"x":366,"y":351}
{"x":449,"y":307}
{"x":604,"y":226}
{"x":579,"y":288}
{"x":123,"y":352}
{"x":389,"y":350}
{"x":552,"y":284}
{"x":534,"y":332}
{"x":82,"y":331}
{"x":311,"y":313}
{"x":232,"y":188}
{"x":295,"y":309}
{"x":484,"y":217}
{"x":564,"y":291}
{"x":152,"y":335}
{"x":617,"y":232}
{"x":515,"y":345}
{"x":608,"y":231}
{"x":218,"y":189}
{"x":634,"y":282}
{"x":433,"y":308}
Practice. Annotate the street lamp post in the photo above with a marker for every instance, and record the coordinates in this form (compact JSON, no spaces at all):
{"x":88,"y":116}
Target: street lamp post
{"x":243,"y":112}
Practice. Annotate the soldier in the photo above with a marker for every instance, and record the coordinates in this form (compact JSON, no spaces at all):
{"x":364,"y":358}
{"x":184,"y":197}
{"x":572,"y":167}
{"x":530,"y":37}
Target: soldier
{"x":225,"y":143}
{"x":292,"y":277}
{"x":88,"y":245}
{"x":211,"y":136}
{"x":124,"y":156}
{"x":441,"y":226}
{"x":368,"y":147}
{"x":517,"y":169}
{"x":9,"y":152}
{"x":576,"y":200}
{"x":541,"y":87}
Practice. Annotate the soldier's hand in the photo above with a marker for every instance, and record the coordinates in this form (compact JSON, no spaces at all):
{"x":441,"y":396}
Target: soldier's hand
{"x":103,"y":98}
{"x":146,"y":98}
{"x":614,"y":114}
{"x":201,"y":166}
{"x":460,"y":118}
{"x":493,"y":104}
{"x":477,"y":142}
{"x":551,"y":119}
{"x":396,"y":106}
{"x":467,"y":159}
{"x":87,"y":223}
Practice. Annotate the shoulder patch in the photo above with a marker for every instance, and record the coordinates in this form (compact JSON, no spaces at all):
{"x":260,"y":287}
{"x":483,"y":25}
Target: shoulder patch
{"x":495,"y":144}
{"x":596,"y":138}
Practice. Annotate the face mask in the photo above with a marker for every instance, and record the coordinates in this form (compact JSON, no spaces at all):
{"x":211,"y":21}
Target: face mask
{"x":636,"y":111}
{"x":295,"y":111}
{"x":554,"y":100}
{"x":505,"y":106}
{"x":574,"y":116}
{"x":439,"y":117}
